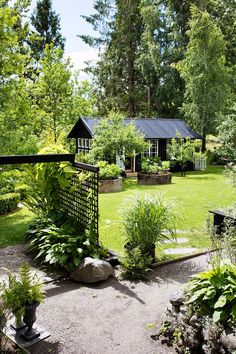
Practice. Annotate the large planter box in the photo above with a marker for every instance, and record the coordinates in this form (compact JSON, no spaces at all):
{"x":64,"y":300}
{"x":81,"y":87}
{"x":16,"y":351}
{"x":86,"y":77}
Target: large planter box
{"x":151,"y":179}
{"x":110,"y":185}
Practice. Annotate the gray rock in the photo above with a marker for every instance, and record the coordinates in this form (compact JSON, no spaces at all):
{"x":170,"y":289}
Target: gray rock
{"x":177,"y":299}
{"x":228,"y":340}
{"x":92,"y":270}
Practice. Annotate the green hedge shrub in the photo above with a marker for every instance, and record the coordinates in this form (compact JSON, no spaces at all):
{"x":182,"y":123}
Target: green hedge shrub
{"x":8,"y":202}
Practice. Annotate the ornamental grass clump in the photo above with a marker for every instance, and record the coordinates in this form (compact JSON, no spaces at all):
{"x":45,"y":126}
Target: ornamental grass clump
{"x":145,"y":221}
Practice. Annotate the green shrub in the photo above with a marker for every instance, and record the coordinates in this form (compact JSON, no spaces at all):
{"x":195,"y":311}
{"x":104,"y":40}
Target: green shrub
{"x":145,"y":220}
{"x":107,"y":171}
{"x":135,"y":265}
{"x":44,"y":181}
{"x":22,"y":190}
{"x":213,"y":293}
{"x":65,"y":245}
{"x":8,"y":202}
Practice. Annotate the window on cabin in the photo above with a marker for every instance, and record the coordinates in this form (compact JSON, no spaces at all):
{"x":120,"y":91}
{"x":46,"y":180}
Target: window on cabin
{"x":152,"y":150}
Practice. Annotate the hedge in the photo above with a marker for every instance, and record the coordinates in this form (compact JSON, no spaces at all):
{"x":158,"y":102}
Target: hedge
{"x":8,"y":202}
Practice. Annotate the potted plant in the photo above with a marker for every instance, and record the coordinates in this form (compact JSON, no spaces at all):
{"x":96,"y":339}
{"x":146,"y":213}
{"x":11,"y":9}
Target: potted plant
{"x":109,"y":177}
{"x":154,"y":172}
{"x":144,"y":222}
{"x":22,"y":296}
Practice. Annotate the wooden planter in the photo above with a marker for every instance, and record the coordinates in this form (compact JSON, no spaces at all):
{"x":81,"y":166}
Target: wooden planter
{"x":110,"y":185}
{"x":151,"y":178}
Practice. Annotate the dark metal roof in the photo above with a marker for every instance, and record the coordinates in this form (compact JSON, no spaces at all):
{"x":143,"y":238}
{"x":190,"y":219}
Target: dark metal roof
{"x":152,"y":128}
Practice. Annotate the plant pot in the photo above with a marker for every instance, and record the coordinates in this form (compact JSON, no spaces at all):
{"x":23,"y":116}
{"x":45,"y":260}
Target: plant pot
{"x":18,"y":326}
{"x":152,"y":178}
{"x":110,"y":185}
{"x":29,"y":319}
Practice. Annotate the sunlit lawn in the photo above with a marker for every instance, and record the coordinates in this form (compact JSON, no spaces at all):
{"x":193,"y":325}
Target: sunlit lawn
{"x":13,"y":227}
{"x":192,"y":196}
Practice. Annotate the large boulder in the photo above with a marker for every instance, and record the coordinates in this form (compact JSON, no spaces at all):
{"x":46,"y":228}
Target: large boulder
{"x":92,"y":270}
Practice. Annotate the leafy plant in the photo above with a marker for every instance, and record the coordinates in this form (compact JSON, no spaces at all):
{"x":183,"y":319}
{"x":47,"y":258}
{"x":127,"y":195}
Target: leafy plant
{"x":65,"y":245}
{"x":108,"y":171}
{"x":165,"y":165}
{"x":145,"y":220}
{"x":182,"y":150}
{"x":16,"y":293}
{"x":8,"y":202}
{"x":45,"y":180}
{"x":135,"y":265}
{"x":213,"y":293}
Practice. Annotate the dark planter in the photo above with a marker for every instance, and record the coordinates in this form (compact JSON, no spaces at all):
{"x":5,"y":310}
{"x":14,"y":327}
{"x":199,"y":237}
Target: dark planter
{"x":219,"y":220}
{"x":18,"y":327}
{"x":110,"y":185}
{"x":128,"y":246}
{"x":29,"y":319}
{"x":152,"y":178}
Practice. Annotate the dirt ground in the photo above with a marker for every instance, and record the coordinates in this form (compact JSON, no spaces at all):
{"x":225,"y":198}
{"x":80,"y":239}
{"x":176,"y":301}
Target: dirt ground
{"x":108,"y":317}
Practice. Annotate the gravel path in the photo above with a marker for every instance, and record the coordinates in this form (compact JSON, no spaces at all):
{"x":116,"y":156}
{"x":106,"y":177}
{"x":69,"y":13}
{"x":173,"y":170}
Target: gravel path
{"x":109,"y":317}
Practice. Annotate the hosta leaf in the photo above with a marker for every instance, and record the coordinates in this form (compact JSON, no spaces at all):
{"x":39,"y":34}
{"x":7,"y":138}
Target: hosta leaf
{"x":220,"y":302}
{"x":77,"y":260}
{"x":216,"y":316}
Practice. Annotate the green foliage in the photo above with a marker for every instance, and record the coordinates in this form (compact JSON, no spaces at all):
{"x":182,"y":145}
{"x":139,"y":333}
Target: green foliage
{"x":8,"y":202}
{"x":16,"y":293}
{"x":44,"y":181}
{"x":47,"y":28}
{"x":204,"y":73}
{"x":230,"y":173}
{"x":213,"y":293}
{"x":145,"y":220}
{"x":154,"y":165}
{"x":227,"y":135}
{"x":62,"y":245}
{"x":135,"y":265}
{"x":108,"y":171}
{"x":112,"y":136}
{"x":183,"y":150}
{"x":52,"y":92}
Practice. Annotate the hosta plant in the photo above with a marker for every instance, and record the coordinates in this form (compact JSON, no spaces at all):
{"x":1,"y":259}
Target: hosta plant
{"x":213,"y":293}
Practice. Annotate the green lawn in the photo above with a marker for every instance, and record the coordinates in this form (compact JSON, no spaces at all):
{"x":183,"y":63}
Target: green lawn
{"x":13,"y":227}
{"x":192,"y":196}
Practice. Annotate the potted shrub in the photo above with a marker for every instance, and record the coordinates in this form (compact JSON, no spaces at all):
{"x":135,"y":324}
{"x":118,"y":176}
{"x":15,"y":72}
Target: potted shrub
{"x":144,"y":222}
{"x":154,"y":172}
{"x":109,"y":177}
{"x":22,"y":296}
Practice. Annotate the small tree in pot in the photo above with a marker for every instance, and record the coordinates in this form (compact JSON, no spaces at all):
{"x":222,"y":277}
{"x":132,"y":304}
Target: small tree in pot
{"x":22,"y":296}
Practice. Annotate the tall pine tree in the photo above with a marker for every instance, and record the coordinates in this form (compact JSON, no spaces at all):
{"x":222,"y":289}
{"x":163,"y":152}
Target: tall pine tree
{"x":47,"y":29}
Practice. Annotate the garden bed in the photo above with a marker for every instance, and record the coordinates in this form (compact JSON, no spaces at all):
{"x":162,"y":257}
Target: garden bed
{"x":152,"y":178}
{"x":110,"y":185}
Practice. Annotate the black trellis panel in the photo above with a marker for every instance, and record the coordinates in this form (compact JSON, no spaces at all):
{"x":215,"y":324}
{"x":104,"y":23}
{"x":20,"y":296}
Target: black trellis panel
{"x":80,"y":200}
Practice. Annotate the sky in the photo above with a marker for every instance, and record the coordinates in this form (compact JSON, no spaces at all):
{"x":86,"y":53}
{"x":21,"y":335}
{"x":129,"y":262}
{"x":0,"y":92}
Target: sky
{"x":72,"y":24}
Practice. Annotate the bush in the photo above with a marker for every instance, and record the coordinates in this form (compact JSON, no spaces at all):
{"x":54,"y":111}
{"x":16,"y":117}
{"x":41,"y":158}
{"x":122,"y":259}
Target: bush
{"x":145,"y":220}
{"x":135,"y":265}
{"x":213,"y":293}
{"x":22,"y":190}
{"x":108,"y":171}
{"x":8,"y":202}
